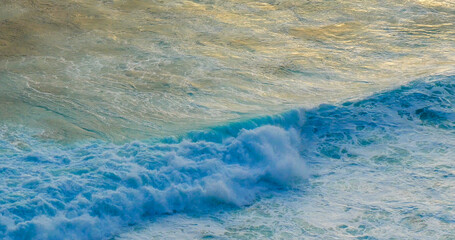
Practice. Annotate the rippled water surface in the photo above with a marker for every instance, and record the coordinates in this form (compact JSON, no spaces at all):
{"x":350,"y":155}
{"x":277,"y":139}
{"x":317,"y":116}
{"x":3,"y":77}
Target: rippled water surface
{"x":130,"y":69}
{"x":143,"y":119}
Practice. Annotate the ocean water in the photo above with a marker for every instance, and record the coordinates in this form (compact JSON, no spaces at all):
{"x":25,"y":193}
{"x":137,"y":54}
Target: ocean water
{"x":130,"y":119}
{"x":379,"y":168}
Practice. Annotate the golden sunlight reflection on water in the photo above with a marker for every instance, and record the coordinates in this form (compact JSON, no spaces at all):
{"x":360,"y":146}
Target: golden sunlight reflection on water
{"x":128,"y":69}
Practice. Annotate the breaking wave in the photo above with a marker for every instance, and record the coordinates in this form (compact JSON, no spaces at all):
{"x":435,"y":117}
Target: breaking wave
{"x":94,"y":190}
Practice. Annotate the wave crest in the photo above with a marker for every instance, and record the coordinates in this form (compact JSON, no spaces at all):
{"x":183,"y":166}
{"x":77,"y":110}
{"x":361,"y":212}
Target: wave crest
{"x":92,"y":191}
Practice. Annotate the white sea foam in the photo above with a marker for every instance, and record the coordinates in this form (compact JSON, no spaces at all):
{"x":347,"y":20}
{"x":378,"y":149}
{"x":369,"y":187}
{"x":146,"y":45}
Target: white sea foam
{"x":383,"y":168}
{"x":96,"y":190}
{"x":65,"y":194}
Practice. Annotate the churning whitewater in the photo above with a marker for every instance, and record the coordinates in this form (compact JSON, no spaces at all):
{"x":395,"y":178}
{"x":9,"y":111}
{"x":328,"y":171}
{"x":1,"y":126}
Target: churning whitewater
{"x":96,"y":190}
{"x":227,"y":119}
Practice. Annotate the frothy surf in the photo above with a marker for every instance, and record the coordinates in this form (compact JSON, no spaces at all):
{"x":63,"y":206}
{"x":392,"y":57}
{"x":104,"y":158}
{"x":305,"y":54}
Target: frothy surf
{"x":96,"y":190}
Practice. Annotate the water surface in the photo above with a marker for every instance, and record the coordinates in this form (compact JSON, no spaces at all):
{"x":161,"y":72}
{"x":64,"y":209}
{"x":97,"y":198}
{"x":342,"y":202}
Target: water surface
{"x":124,"y":70}
{"x":227,"y":119}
